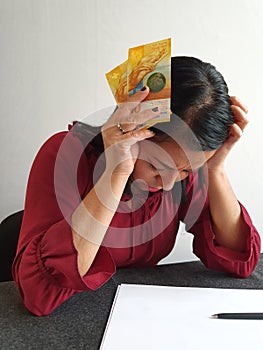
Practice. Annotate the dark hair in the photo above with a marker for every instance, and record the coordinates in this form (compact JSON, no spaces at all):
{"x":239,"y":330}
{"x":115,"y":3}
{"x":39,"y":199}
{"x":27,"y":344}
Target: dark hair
{"x":199,"y":96}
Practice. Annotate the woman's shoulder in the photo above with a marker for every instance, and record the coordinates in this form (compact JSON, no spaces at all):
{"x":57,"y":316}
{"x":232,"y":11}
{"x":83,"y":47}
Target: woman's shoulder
{"x":61,"y":149}
{"x":77,"y":139}
{"x":63,"y":143}
{"x":56,"y":140}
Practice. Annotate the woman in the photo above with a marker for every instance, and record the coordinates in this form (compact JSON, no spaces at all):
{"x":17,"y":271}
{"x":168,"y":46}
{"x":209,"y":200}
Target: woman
{"x":101,"y":198}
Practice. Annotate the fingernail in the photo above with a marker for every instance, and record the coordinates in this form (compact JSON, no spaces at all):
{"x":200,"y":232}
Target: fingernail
{"x":155,"y":109}
{"x":143,"y":88}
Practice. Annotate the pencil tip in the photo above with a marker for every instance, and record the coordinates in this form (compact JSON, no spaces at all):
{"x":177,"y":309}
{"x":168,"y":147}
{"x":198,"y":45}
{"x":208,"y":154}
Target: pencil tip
{"x":214,"y":316}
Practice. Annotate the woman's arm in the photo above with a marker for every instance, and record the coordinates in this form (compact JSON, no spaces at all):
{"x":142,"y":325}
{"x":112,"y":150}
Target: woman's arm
{"x":227,"y":221}
{"x":92,"y":217}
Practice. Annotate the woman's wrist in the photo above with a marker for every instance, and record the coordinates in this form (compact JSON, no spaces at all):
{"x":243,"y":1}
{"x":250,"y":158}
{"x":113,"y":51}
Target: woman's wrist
{"x":216,"y":171}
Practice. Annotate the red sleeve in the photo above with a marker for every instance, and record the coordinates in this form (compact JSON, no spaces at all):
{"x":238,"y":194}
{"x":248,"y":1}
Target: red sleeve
{"x":196,"y":215}
{"x":45,"y":268}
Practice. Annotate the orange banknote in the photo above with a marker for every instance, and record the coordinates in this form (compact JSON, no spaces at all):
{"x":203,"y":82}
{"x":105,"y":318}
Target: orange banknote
{"x":117,"y":79}
{"x":150,"y":65}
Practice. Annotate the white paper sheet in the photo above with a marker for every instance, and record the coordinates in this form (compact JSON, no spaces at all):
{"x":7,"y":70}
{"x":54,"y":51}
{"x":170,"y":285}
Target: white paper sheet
{"x":157,"y":317}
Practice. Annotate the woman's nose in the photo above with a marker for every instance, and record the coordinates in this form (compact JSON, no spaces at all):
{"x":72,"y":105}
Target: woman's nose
{"x":168,"y":178}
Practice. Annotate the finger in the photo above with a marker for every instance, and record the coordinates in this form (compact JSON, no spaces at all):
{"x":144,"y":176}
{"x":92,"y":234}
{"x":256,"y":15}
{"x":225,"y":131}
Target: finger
{"x":235,"y":133}
{"x":237,"y":102}
{"x":133,"y":121}
{"x":138,"y":135}
{"x":124,"y":110}
{"x":240,"y":117}
{"x":134,"y":100}
{"x":133,"y":137}
{"x":138,"y":120}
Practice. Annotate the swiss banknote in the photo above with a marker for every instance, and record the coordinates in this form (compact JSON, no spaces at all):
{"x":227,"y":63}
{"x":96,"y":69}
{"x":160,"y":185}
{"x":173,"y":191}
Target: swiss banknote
{"x":150,"y":65}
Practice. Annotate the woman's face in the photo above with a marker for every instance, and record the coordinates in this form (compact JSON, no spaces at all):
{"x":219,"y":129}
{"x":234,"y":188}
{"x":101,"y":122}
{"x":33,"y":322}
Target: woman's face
{"x":160,"y":164}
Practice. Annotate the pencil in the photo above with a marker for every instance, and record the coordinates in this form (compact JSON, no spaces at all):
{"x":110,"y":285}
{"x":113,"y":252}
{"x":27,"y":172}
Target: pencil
{"x":240,"y":315}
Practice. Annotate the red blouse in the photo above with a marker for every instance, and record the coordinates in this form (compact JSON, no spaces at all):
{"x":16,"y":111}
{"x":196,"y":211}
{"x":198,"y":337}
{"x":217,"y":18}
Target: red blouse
{"x":142,"y":232}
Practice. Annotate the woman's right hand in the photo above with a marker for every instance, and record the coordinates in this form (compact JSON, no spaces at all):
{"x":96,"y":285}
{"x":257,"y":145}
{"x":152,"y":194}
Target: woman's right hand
{"x":121,"y":147}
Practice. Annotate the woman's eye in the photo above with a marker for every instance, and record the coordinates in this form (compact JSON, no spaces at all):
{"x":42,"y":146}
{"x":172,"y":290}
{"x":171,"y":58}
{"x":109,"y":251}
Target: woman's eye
{"x":154,"y":168}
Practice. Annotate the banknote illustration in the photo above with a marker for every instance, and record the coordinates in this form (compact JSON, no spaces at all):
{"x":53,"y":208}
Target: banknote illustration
{"x":117,"y":80}
{"x":150,"y":65}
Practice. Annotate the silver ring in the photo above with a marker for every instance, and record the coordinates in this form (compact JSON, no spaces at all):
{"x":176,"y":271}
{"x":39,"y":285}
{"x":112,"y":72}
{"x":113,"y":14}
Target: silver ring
{"x":124,"y":131}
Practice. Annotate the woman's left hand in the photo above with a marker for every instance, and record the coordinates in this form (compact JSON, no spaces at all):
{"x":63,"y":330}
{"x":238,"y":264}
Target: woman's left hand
{"x":216,"y":162}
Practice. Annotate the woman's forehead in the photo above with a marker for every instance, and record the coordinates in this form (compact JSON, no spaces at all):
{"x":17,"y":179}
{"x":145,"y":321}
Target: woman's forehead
{"x":169,"y":152}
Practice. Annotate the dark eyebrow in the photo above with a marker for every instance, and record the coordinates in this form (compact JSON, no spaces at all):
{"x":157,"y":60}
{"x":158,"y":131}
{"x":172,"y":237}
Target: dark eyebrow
{"x":187,"y":167}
